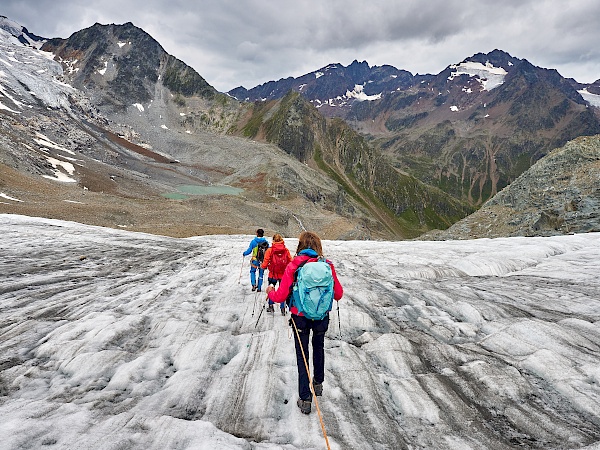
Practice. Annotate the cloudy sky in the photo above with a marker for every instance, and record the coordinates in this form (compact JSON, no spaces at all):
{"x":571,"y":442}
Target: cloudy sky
{"x":249,"y":42}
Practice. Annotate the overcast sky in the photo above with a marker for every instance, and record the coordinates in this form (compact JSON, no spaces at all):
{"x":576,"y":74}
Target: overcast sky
{"x":249,"y":42}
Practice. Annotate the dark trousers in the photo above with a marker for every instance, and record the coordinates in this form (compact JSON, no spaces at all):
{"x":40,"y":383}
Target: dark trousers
{"x":273,"y":282}
{"x":318,"y":327}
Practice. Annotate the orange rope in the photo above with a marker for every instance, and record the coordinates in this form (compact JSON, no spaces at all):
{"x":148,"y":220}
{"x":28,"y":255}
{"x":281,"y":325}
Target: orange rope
{"x":312,"y":389}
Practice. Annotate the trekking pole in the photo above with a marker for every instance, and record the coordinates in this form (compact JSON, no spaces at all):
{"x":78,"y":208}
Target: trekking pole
{"x":312,"y":389}
{"x":241,"y":268}
{"x":261,"y":311}
{"x":254,"y":307}
{"x":339,"y":320}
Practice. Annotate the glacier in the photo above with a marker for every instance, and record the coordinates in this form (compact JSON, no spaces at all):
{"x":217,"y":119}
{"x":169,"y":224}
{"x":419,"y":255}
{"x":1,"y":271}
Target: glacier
{"x":111,"y":339}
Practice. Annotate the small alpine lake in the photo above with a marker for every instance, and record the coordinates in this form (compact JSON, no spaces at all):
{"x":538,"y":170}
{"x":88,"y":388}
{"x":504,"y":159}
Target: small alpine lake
{"x":184,"y":191}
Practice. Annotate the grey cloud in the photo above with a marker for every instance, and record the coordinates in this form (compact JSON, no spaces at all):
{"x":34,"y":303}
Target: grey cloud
{"x":233,"y":43}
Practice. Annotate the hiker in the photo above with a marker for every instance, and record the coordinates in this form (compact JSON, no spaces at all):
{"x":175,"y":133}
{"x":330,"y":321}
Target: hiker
{"x":308,"y":252}
{"x":276,"y":260}
{"x":258,"y":246}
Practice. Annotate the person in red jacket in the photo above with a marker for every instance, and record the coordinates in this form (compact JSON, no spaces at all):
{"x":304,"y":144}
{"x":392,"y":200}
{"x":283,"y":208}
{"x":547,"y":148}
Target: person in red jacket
{"x":277,"y":257}
{"x":309,"y":247}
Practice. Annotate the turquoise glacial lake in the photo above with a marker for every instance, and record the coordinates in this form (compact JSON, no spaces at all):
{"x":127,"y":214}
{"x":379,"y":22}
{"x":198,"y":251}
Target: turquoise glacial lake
{"x":186,"y":190}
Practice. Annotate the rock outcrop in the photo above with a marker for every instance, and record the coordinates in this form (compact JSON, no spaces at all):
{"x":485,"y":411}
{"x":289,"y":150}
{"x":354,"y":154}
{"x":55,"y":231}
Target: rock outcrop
{"x":560,"y":194}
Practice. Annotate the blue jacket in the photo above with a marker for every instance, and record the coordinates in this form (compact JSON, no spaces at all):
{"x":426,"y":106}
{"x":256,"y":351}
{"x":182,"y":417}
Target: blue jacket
{"x":253,"y":243}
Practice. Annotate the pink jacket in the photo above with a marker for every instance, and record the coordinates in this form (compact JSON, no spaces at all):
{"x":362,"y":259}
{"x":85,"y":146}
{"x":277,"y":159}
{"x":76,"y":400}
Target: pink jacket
{"x":285,"y":286}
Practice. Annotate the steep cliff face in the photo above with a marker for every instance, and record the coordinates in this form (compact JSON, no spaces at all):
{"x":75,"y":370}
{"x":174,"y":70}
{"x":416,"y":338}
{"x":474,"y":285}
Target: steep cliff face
{"x":559,"y":194}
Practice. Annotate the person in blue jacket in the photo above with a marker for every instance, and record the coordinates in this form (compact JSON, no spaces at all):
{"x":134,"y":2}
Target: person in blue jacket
{"x":257,"y":247}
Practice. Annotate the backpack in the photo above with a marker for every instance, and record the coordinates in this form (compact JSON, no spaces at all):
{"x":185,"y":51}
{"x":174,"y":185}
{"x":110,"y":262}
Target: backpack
{"x":278,"y":263}
{"x":312,"y":292}
{"x":261,"y":248}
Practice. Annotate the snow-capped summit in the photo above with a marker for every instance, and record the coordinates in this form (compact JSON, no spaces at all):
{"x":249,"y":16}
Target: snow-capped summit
{"x":30,"y":76}
{"x":488,"y":75}
{"x":21,"y":33}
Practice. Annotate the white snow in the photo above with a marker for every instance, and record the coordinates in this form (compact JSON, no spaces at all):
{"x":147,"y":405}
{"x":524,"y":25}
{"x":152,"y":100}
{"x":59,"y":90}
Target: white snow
{"x":45,"y":142}
{"x":3,"y":106}
{"x":6,"y":94}
{"x":319,"y":74}
{"x":164,"y":127}
{"x":139,"y":106}
{"x":103,"y":70}
{"x":8,"y":197}
{"x":592,"y":99}
{"x":58,"y":174}
{"x":358,"y":93}
{"x":32,"y":75}
{"x":454,"y":108}
{"x":113,"y":339}
{"x":121,"y":44}
{"x":489,"y":76}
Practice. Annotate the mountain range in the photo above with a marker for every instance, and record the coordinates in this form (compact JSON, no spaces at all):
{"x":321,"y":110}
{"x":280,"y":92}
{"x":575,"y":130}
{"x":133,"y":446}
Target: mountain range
{"x":469,"y":130}
{"x":106,"y":128}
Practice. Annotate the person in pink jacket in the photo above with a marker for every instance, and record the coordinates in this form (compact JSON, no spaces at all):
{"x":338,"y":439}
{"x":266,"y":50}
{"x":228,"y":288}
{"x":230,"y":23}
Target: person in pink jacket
{"x":309,"y":248}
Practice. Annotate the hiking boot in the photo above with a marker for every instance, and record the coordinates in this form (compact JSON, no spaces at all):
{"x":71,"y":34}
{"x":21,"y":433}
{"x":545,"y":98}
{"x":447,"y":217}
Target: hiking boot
{"x":270,"y":308}
{"x":253,"y":287}
{"x":304,"y":406}
{"x":318,"y":387}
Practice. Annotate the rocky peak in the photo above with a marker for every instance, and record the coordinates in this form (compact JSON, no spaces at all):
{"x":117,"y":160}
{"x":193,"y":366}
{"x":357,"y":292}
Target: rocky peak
{"x":121,"y":65}
{"x":496,"y":58}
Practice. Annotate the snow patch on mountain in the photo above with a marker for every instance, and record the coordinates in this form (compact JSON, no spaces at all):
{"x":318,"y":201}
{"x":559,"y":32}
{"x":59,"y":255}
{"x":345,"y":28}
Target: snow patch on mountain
{"x":489,"y":76}
{"x":103,"y":70}
{"x":31,"y":75}
{"x":8,"y":197}
{"x":58,"y":174}
{"x":20,"y":32}
{"x":45,"y":142}
{"x":592,"y":99}
{"x":359,"y":94}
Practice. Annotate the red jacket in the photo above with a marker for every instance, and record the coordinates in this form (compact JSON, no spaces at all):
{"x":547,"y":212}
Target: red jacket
{"x":285,"y":286}
{"x":277,"y":246}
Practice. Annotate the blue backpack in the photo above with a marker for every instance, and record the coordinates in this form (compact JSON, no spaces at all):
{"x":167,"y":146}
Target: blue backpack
{"x":312,"y":292}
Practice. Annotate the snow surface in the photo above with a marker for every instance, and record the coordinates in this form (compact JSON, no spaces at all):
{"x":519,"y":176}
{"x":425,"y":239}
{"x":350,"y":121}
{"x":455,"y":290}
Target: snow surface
{"x":111,"y":339}
{"x":592,"y":99}
{"x":488,"y":75}
{"x":359,"y":94}
{"x":8,"y":197}
{"x":20,"y":82}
